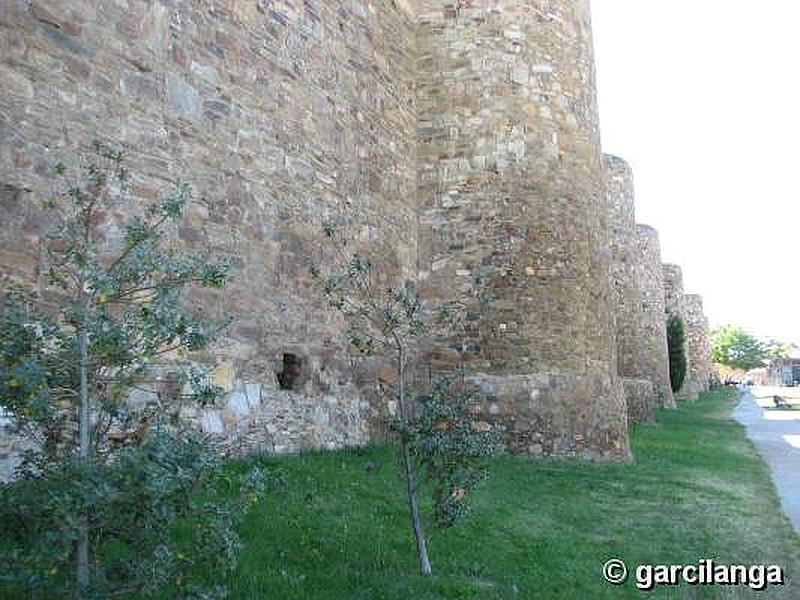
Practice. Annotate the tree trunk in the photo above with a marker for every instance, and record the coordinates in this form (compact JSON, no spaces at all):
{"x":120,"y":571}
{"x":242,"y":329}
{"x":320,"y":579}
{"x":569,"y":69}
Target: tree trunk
{"x":82,"y":545}
{"x":411,"y":491}
{"x":416,"y":522}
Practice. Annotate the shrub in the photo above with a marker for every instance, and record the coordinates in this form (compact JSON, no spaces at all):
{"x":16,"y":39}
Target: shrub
{"x":107,"y":481}
{"x":450,"y":446}
{"x":155,"y":512}
{"x":676,"y":344}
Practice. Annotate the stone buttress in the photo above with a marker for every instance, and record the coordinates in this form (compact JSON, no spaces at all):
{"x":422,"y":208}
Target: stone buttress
{"x":643,"y":360}
{"x":653,"y":355}
{"x":513,"y":210}
{"x":640,"y":394}
{"x":698,"y":339}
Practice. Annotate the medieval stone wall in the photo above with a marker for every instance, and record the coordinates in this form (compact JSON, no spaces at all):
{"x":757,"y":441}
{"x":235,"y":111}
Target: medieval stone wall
{"x":641,"y":328}
{"x":652,"y":353}
{"x":281,"y":114}
{"x":511,"y":198}
{"x":674,"y":305}
{"x":625,"y":258}
{"x":698,"y":340}
{"x":640,"y":399}
{"x":672,"y":281}
{"x":639,"y":393}
{"x":458,"y":140}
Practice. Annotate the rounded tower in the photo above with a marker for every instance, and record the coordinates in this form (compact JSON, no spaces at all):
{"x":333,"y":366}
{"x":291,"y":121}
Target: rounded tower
{"x":619,"y":187}
{"x":672,"y":281}
{"x":640,"y":392}
{"x":514,"y":218}
{"x":653,"y":358}
{"x":698,"y":341}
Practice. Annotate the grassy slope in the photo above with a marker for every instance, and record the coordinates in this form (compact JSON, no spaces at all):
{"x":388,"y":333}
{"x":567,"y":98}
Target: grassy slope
{"x":540,"y":529}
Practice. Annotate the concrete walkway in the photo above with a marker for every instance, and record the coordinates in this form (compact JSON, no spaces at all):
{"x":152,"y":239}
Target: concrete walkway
{"x":776,"y":434}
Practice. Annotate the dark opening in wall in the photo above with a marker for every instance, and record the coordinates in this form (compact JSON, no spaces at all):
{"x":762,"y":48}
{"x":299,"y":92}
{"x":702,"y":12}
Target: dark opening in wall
{"x":292,"y":375}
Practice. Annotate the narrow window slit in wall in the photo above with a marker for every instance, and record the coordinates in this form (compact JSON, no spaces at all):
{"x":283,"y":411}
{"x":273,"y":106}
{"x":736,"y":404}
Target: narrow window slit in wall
{"x":291,"y":376}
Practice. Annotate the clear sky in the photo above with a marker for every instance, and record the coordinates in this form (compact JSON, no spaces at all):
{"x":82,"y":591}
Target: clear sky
{"x":702,"y":98}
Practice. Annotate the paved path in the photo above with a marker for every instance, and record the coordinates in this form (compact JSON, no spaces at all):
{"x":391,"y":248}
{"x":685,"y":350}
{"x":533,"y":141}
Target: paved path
{"x":776,"y":434}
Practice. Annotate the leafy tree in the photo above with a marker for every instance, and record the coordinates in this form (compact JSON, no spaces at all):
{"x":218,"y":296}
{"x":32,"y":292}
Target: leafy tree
{"x":775,"y":349}
{"x":116,"y":319}
{"x":676,"y":344}
{"x":735,"y":348}
{"x":439,"y":440}
{"x":449,"y":446}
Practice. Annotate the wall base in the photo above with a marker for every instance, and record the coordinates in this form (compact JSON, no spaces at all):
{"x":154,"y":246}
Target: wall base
{"x":640,"y":398}
{"x":560,"y":415}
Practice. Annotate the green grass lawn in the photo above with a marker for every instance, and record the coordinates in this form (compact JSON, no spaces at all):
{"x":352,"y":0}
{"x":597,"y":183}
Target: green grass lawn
{"x":540,"y":528}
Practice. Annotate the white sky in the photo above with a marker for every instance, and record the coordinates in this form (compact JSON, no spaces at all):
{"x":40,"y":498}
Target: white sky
{"x":702,"y":98}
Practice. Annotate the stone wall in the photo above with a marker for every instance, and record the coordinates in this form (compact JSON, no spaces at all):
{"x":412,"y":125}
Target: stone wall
{"x":625,"y":259}
{"x":652,"y":353}
{"x":458,"y":140}
{"x":674,"y":305}
{"x":641,"y":329}
{"x":672,"y":281}
{"x":641,"y":399}
{"x":281,"y":114}
{"x":12,"y":445}
{"x":698,"y":339}
{"x":512,"y":203}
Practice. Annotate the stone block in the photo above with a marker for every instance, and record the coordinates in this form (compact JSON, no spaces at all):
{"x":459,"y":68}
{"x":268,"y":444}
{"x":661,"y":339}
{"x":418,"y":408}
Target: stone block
{"x":207,"y":73}
{"x":183,"y":99}
{"x":237,"y":403}
{"x":224,"y":376}
{"x":253,"y":394}
{"x":211,"y":422}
